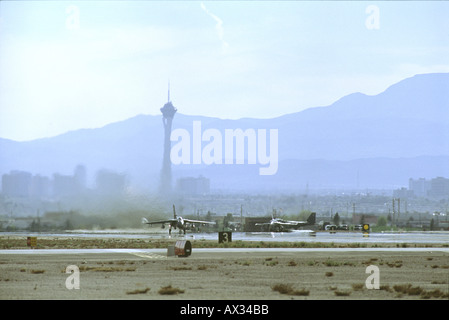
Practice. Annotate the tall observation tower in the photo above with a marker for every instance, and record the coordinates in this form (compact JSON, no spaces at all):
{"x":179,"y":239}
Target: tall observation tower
{"x":168,"y":112}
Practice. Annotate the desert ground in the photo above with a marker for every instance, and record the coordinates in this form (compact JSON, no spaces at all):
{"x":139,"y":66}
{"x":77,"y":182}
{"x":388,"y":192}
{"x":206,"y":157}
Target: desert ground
{"x":222,"y":275}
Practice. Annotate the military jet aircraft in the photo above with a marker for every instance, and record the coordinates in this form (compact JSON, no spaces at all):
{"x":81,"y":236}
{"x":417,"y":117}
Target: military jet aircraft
{"x":177,"y":222}
{"x":281,"y":225}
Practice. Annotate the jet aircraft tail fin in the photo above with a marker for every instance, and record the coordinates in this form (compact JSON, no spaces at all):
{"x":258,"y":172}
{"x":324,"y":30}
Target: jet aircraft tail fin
{"x":312,"y":218}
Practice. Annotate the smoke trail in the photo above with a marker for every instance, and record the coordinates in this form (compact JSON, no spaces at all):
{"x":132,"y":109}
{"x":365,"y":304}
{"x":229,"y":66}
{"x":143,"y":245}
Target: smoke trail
{"x":218,"y":26}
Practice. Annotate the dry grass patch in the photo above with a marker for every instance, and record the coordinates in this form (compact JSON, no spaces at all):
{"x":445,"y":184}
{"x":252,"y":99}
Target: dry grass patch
{"x":289,"y":290}
{"x":292,"y":263}
{"x":272,"y":263}
{"x":138,"y":291}
{"x":357,"y":286}
{"x":418,"y":291}
{"x":342,"y":293}
{"x":205,"y":267}
{"x":105,"y":269}
{"x":37,"y":271}
{"x":385,"y":288}
{"x":169,"y":290}
{"x":437,"y":293}
{"x":180,"y":268}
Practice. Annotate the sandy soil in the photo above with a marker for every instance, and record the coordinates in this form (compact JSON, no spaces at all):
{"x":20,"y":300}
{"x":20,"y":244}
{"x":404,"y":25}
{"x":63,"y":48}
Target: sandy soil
{"x":233,"y":276}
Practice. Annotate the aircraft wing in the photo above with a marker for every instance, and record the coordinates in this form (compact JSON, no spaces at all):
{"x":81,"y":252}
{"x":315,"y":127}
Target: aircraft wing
{"x":287,"y":223}
{"x":280,"y":223}
{"x":263,"y":224}
{"x":145,"y":221}
{"x":296,"y":223}
{"x":198,"y":221}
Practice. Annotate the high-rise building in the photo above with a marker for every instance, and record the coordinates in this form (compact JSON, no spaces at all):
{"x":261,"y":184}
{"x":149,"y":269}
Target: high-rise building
{"x":420,"y":187}
{"x":439,"y":187}
{"x":168,"y":112}
{"x":16,"y":184}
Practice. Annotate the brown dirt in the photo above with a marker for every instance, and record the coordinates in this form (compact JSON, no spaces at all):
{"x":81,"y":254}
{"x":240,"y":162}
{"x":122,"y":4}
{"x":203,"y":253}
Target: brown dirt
{"x":226,"y":276}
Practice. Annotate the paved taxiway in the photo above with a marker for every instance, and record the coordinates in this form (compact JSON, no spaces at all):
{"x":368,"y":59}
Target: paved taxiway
{"x":211,"y":251}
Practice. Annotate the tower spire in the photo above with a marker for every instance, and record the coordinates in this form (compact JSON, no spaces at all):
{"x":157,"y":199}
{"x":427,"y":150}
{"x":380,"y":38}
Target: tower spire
{"x":168,"y":112}
{"x":168,"y":90}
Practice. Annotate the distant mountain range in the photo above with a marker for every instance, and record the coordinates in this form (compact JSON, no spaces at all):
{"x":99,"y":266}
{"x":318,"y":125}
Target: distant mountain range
{"x":359,"y":141}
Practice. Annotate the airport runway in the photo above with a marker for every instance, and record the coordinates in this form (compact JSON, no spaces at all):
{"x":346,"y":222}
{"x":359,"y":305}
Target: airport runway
{"x":441,"y":237}
{"x":409,"y":238}
{"x":339,"y":237}
{"x":209,"y":251}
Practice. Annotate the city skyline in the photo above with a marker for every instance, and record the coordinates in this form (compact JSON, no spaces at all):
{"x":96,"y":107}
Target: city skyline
{"x":84,"y":65}
{"x":391,"y":139}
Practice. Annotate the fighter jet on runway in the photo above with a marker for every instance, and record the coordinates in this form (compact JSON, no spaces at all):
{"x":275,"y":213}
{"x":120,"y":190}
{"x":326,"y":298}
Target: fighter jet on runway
{"x":177,"y":222}
{"x":281,"y":225}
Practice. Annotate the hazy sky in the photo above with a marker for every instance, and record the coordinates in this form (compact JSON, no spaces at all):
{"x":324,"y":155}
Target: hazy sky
{"x":71,"y":65}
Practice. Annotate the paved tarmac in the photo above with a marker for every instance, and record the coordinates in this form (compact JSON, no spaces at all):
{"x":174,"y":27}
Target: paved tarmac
{"x":428,"y":237}
{"x":211,"y":251}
